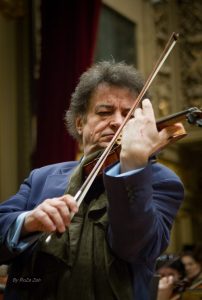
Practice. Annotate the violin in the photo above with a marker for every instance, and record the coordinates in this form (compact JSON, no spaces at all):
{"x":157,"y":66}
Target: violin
{"x":192,"y":115}
{"x":181,"y":285}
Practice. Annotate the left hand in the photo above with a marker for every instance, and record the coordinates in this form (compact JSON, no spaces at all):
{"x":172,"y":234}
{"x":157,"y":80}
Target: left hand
{"x":141,"y":138}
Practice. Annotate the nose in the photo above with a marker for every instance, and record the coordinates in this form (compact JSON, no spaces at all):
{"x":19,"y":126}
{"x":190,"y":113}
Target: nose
{"x":116,"y":120}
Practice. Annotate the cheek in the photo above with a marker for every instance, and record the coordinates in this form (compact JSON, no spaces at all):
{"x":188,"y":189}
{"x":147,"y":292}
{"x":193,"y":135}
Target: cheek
{"x":192,"y":268}
{"x":197,"y":267}
{"x":97,"y":126}
{"x":89,"y":130}
{"x":87,"y":133}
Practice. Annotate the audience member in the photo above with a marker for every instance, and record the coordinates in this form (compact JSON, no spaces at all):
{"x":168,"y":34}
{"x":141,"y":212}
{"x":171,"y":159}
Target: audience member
{"x":172,"y":273}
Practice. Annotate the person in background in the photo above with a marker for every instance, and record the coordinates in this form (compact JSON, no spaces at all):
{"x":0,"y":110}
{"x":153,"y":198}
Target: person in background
{"x":3,"y":279}
{"x":192,"y":261}
{"x":108,"y":250}
{"x":187,"y":287}
{"x":171,"y":283}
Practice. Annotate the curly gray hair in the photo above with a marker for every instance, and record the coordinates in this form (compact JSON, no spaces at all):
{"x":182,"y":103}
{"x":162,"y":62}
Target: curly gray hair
{"x":118,"y":74}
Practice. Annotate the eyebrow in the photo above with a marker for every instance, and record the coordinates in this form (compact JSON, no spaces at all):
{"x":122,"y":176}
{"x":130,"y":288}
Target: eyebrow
{"x":106,"y":106}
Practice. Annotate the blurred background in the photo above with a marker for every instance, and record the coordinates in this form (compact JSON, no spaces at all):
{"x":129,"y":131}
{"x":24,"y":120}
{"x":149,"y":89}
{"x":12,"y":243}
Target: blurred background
{"x":45,"y":45}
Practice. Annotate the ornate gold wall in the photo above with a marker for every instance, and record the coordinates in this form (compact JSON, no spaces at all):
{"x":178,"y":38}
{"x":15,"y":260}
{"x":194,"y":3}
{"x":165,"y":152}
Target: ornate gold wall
{"x":179,"y":86}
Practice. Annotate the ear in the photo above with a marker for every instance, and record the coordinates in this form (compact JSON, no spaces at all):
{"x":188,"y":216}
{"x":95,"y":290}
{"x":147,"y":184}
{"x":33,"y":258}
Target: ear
{"x":79,"y":125}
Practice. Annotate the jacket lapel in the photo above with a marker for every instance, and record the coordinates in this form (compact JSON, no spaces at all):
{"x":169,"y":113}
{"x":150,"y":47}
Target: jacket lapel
{"x":56,"y":184}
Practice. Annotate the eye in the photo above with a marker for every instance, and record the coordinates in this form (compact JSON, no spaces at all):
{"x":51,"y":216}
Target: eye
{"x":126,"y":113}
{"x":104,"y":113}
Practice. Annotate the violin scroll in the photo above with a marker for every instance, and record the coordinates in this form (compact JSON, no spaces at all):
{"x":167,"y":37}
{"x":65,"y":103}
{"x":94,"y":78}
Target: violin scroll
{"x":194,"y":116}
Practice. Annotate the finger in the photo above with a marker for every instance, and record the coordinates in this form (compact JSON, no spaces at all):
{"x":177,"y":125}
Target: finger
{"x":168,"y":132}
{"x":170,"y":279}
{"x":64,"y":212}
{"x":67,"y":207}
{"x":70,"y":202}
{"x":42,"y":221}
{"x":54,"y":215}
{"x":147,"y":108}
{"x":137,"y":113}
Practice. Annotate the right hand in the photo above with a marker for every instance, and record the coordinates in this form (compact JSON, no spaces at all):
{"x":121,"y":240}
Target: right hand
{"x":165,"y":288}
{"x":51,"y":215}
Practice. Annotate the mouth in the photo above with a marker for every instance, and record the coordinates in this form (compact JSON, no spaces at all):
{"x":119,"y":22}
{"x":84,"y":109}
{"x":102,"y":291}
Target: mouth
{"x":108,"y":137}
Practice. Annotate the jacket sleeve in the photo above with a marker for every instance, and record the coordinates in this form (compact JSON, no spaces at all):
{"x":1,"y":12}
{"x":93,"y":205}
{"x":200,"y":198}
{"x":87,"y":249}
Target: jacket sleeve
{"x":43,"y":183}
{"x":141,"y":211}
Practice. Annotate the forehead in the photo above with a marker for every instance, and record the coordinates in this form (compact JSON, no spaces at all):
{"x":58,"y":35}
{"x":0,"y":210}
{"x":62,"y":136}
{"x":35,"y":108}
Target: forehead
{"x":188,"y":259}
{"x":164,"y":271}
{"x":113,"y":95}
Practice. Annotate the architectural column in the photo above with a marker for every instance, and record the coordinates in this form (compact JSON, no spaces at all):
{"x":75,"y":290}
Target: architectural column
{"x":8,"y":108}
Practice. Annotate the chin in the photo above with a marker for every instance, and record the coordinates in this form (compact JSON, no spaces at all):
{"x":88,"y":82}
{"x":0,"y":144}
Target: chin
{"x":100,"y":146}
{"x":103,"y":145}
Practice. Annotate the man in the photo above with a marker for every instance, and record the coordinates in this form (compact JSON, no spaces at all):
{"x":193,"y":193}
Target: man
{"x":108,"y":250}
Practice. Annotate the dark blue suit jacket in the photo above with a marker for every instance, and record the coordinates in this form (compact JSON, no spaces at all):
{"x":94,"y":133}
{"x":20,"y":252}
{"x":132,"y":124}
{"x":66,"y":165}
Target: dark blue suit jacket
{"x":141,"y":210}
